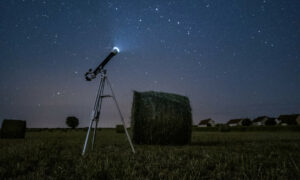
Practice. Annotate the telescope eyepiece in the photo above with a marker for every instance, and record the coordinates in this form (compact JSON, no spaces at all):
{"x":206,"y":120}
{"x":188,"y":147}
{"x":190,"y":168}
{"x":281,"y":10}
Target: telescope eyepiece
{"x":89,"y":75}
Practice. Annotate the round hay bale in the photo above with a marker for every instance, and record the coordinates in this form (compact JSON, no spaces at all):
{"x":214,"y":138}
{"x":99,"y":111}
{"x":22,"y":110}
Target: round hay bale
{"x":161,"y":118}
{"x":13,"y":129}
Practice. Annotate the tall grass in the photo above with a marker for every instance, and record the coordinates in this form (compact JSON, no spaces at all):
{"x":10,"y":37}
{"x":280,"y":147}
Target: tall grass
{"x":211,"y":155}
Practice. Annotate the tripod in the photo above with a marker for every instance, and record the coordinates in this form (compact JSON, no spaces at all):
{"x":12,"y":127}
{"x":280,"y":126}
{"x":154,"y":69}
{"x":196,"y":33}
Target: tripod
{"x":97,"y":109}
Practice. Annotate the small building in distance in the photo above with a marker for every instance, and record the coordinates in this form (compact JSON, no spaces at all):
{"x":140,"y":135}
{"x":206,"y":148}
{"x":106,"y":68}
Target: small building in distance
{"x":264,"y":121}
{"x":260,"y":121}
{"x":272,"y":122}
{"x":207,"y":123}
{"x":292,"y":119}
{"x":239,"y":122}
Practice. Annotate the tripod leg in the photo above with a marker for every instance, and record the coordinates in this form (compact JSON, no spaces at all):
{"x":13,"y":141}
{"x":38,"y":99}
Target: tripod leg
{"x":94,"y":117}
{"x":122,"y":118}
{"x":94,"y":135}
{"x":87,"y":136}
{"x":98,"y":108}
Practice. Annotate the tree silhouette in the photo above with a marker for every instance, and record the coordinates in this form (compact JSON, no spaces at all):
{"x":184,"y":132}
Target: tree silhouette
{"x":72,"y":121}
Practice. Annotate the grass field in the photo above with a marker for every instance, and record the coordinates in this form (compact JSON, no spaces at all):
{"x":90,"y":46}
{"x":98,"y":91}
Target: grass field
{"x":211,"y":155}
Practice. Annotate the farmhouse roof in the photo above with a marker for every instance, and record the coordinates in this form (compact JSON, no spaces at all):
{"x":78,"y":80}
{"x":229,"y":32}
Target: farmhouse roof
{"x":259,"y":119}
{"x":204,"y":122}
{"x":289,"y":119}
{"x":234,"y":121}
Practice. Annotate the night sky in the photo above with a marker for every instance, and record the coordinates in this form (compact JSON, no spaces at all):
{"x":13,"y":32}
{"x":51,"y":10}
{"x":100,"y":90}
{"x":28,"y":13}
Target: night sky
{"x":232,"y":58}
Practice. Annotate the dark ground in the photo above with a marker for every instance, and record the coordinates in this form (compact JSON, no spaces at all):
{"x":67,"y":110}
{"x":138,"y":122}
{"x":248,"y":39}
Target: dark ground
{"x":211,"y":155}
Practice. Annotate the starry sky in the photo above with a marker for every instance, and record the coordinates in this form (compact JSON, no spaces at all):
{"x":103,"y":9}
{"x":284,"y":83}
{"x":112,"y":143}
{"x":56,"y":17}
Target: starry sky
{"x":233,"y":58}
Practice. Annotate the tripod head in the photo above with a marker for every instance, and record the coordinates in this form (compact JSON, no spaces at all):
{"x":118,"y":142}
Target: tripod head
{"x":92,"y":74}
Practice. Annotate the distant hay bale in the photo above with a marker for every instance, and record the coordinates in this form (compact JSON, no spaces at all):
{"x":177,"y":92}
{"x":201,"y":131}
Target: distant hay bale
{"x":120,"y":128}
{"x":161,"y":118}
{"x":13,"y":129}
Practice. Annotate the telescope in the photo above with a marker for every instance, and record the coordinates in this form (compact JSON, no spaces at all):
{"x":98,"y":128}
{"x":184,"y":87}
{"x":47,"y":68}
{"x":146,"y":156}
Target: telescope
{"x":97,"y":107}
{"x":92,"y":74}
